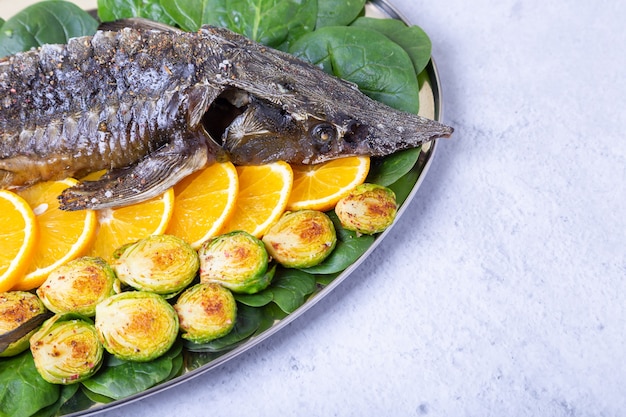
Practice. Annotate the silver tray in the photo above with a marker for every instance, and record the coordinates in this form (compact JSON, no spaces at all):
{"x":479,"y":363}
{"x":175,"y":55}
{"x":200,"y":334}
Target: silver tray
{"x":431,"y":107}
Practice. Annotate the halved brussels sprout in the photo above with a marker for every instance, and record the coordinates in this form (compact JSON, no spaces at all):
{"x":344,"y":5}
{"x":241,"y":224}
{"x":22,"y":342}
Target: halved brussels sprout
{"x":163,"y":264}
{"x":206,"y":312}
{"x":368,"y":209}
{"x":78,"y":286}
{"x":136,"y":325}
{"x":16,"y":309}
{"x":236,"y":260}
{"x":66,"y":349}
{"x":301,"y":239}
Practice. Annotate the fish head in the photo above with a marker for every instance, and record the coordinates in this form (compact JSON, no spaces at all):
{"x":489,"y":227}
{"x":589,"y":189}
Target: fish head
{"x":310,"y":132}
{"x":283,"y":108}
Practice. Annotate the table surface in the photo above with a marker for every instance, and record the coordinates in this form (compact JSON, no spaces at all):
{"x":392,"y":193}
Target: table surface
{"x":502,"y":290}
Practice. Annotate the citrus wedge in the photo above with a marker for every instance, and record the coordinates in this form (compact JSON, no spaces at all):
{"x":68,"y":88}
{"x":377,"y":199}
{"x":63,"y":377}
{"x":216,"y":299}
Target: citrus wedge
{"x":122,"y":225}
{"x":18,"y":235}
{"x":320,"y":186}
{"x":63,"y":235}
{"x":203,"y":202}
{"x":263,"y":194}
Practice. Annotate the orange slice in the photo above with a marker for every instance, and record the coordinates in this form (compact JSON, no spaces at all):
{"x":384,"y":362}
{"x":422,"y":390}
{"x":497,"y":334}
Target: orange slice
{"x":320,"y":186}
{"x":18,"y":235}
{"x":122,"y":225}
{"x":203,"y":202}
{"x":263,"y":194}
{"x":63,"y":235}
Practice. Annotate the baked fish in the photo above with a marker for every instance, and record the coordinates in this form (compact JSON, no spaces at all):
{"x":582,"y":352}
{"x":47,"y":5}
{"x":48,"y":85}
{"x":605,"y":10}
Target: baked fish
{"x":153,"y":105}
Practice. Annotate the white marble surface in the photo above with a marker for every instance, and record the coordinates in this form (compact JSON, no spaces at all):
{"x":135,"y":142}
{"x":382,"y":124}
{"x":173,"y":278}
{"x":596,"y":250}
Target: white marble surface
{"x":502,"y":290}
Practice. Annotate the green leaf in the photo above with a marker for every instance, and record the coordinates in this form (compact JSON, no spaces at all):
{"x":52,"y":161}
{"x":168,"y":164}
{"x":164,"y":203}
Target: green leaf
{"x":380,"y":67}
{"x":325,"y":279}
{"x":96,"y":398}
{"x":271,"y":313}
{"x":255,"y":300}
{"x":390,"y":169}
{"x":178,"y":363}
{"x":290,"y":288}
{"x":53,"y":21}
{"x":130,"y":378}
{"x":412,"y":39}
{"x":402,"y":188}
{"x":78,"y":402}
{"x":337,"y":13}
{"x":67,"y":392}
{"x":271,"y":22}
{"x":109,"y":10}
{"x":23,"y":391}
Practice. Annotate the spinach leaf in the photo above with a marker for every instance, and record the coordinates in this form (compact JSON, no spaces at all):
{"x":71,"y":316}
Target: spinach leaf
{"x":78,"y":402}
{"x":271,"y":22}
{"x":96,"y":398}
{"x":67,"y":392}
{"x":53,"y":21}
{"x":380,"y":67}
{"x":23,"y":391}
{"x":411,"y":38}
{"x":130,"y":377}
{"x":288,"y":290}
{"x":337,"y":13}
{"x":258,"y":299}
{"x":390,"y":169}
{"x":271,"y":313}
{"x":109,"y":10}
{"x":402,"y":188}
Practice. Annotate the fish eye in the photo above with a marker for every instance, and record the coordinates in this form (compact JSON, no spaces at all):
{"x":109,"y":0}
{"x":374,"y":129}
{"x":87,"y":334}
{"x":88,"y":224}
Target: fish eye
{"x":323,"y":132}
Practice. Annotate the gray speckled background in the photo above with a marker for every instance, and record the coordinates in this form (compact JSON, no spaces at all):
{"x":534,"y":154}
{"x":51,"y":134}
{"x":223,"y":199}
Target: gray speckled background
{"x":502,"y":290}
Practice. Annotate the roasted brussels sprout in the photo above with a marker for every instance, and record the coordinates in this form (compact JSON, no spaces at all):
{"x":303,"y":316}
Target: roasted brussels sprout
{"x":78,"y":286}
{"x":206,"y":312}
{"x":66,"y":349}
{"x":136,"y":325}
{"x":18,"y":308}
{"x":163,"y":264}
{"x":301,"y":239}
{"x":368,"y":209}
{"x":236,"y":260}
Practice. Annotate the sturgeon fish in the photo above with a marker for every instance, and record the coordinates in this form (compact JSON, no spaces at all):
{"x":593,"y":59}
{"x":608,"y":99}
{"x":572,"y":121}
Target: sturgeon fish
{"x":153,"y":105}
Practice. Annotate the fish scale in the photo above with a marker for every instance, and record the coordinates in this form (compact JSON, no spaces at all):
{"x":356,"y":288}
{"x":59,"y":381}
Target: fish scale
{"x":152,"y":106}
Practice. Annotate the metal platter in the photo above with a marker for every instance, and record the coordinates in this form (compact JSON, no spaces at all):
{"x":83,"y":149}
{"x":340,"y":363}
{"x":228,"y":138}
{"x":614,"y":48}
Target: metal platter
{"x":431,"y":107}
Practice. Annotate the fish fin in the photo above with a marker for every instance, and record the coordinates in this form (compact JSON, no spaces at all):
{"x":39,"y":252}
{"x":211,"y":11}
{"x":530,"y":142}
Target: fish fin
{"x":148,"y":178}
{"x":137,"y":23}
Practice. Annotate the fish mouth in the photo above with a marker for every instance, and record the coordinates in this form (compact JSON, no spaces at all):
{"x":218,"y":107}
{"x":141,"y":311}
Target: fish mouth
{"x":223,"y":111}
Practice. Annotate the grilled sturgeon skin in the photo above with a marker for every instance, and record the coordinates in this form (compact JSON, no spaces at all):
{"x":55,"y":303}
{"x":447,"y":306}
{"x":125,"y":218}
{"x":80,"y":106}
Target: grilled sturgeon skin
{"x":138,"y":103}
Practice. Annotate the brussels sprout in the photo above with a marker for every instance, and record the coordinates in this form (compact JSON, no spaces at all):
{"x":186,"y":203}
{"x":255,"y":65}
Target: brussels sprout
{"x":236,"y":260}
{"x":163,"y":264}
{"x":136,"y":325}
{"x":18,"y":308}
{"x":206,"y":312}
{"x":368,"y":209}
{"x":66,"y":349}
{"x":78,"y":286}
{"x":301,"y":239}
